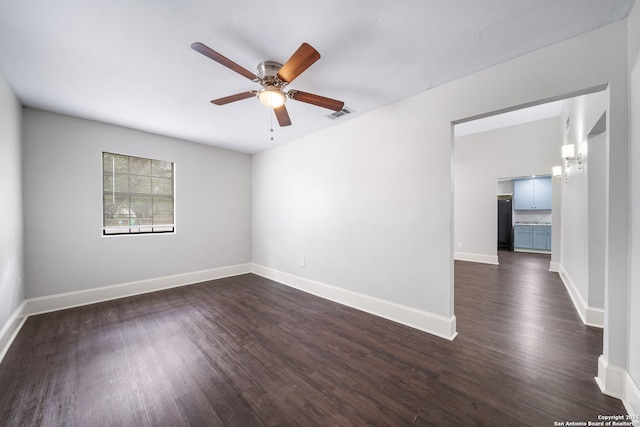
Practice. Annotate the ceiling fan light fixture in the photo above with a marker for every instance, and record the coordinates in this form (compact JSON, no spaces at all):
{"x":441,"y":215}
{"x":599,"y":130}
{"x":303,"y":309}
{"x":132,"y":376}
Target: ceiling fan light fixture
{"x":272,"y":97}
{"x":273,"y":77}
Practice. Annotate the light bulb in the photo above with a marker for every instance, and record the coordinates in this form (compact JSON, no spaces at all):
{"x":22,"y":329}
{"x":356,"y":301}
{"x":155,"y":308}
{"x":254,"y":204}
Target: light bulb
{"x":271,"y":97}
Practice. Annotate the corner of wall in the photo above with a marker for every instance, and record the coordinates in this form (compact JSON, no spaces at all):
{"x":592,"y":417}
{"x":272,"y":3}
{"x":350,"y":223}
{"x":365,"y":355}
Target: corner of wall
{"x":616,"y":382}
{"x":443,"y":327}
{"x":12,"y":291}
{"x":590,"y":316}
{"x":10,"y":330}
{"x":481,"y":258}
{"x":91,"y":296}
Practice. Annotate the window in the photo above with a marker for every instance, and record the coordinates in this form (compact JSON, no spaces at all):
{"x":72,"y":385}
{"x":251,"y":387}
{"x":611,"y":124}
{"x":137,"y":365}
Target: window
{"x":137,"y":195}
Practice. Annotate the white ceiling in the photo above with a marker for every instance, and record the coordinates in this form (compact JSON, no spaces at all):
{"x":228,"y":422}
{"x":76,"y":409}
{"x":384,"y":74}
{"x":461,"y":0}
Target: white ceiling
{"x":130,"y":63}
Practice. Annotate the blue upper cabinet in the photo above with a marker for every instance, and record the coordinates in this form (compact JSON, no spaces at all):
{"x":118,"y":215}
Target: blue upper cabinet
{"x":542,"y":193}
{"x":523,"y":194}
{"x":532,"y":193}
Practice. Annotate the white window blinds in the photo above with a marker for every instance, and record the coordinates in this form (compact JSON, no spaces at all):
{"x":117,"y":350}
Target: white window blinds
{"x":138,"y":195}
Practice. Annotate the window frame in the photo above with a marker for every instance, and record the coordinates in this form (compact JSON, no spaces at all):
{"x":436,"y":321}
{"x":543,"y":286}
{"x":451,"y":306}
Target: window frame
{"x":126,"y":215}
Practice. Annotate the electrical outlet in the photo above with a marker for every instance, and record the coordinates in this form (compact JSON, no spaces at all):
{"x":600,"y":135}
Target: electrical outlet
{"x":460,"y":245}
{"x":302,"y":262}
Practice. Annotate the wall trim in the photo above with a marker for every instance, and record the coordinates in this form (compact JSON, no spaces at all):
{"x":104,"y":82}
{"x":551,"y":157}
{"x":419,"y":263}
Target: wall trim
{"x":617,"y":382}
{"x":595,"y":317}
{"x":428,"y":322}
{"x":612,"y":380}
{"x":532,"y":251}
{"x":10,"y":329}
{"x":590,"y":316}
{"x":481,"y":258}
{"x":49,"y":303}
{"x":441,"y":326}
{"x":106,"y":293}
{"x":554,"y":267}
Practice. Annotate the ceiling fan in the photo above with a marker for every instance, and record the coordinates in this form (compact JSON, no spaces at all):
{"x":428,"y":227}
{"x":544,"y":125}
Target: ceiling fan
{"x":274,"y":77}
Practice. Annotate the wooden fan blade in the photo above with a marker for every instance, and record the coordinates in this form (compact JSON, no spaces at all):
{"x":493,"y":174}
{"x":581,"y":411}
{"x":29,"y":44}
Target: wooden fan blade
{"x":212,"y":54}
{"x":320,"y":101}
{"x":234,"y":98}
{"x":282,"y":115}
{"x":302,"y":59}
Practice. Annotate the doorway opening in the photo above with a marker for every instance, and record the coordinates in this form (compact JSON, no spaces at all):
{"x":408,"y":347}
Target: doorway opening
{"x":493,"y":148}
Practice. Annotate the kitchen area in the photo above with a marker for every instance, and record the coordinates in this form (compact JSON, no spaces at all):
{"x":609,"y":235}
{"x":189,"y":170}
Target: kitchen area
{"x":524,"y":214}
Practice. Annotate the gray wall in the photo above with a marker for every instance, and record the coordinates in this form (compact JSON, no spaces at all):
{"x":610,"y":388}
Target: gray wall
{"x":369,"y":202}
{"x":11,"y":230}
{"x":577,"y":225}
{"x":64,"y":246}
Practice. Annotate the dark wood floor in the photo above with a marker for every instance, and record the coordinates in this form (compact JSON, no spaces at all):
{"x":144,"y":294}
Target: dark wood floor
{"x":246,"y":351}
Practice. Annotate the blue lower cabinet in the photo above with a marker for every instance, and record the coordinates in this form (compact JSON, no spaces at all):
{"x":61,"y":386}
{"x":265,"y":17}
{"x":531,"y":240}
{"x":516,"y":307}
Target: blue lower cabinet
{"x":542,"y":237}
{"x":532,"y":237}
{"x":523,"y":236}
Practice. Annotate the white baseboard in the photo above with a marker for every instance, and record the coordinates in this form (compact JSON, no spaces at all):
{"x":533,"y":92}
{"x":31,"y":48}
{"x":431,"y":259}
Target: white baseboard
{"x":437,"y":325}
{"x":631,"y":398}
{"x":532,"y":251}
{"x":444,"y":327}
{"x":617,"y":382}
{"x":11,"y":329}
{"x":610,"y":378}
{"x":434,"y":324}
{"x":595,"y":317}
{"x":482,"y":258}
{"x":554,"y":267}
{"x":590,"y":316}
{"x":65,"y":300}
{"x":90,"y":296}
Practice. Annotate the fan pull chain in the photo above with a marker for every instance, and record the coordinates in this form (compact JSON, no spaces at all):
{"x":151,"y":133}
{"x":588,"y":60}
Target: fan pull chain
{"x":271,"y":128}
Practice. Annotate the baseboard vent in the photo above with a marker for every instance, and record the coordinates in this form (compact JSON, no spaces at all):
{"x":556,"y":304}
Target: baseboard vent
{"x":341,"y":113}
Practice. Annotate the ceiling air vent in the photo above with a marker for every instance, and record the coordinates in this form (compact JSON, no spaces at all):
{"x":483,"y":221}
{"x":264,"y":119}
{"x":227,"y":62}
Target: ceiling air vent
{"x":338,"y":114}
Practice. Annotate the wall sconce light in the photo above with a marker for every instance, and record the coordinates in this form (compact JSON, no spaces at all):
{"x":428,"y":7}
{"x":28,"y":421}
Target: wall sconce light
{"x":569,"y":153}
{"x":557,"y":171}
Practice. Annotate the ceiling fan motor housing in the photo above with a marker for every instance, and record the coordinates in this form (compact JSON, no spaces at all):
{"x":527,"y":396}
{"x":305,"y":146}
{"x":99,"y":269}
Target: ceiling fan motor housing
{"x":268,"y":69}
{"x":272,"y":85}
